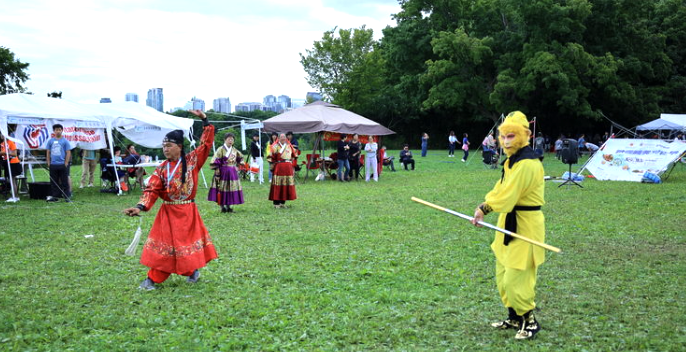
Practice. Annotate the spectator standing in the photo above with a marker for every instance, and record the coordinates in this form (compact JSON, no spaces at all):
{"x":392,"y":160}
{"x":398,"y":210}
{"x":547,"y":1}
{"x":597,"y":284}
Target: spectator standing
{"x":273,"y":138}
{"x":354,"y":157}
{"x":88,"y":165}
{"x":58,"y":156}
{"x":8,"y":150}
{"x":452,"y":142}
{"x":370,"y":165}
{"x":558,"y":146}
{"x":539,"y":144}
{"x":256,"y":154}
{"x":465,"y":147}
{"x":343,"y":162}
{"x":425,"y":144}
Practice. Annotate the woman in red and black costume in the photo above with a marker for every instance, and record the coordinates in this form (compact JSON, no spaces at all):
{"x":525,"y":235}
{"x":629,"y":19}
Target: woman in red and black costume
{"x":283,"y":181}
{"x":178,"y":242}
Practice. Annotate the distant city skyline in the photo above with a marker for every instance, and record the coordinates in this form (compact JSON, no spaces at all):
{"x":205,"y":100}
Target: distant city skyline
{"x":223,"y":104}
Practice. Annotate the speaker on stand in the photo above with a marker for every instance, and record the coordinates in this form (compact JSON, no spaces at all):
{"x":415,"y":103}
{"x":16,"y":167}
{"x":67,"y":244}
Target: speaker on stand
{"x":570,"y":155}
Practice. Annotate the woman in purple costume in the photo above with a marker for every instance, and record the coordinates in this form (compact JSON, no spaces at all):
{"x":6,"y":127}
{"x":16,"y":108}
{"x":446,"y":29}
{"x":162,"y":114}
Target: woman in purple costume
{"x":226,"y":187}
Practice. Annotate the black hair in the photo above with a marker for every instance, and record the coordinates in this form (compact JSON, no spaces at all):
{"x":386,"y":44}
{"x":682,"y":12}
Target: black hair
{"x":343,"y":136}
{"x":129,"y":146}
{"x":229,"y":134}
{"x":56,"y":126}
{"x":117,"y":149}
{"x":289,"y":133}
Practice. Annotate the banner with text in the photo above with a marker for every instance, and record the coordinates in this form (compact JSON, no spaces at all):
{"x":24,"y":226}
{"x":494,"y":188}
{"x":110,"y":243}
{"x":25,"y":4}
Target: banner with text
{"x":82,"y":134}
{"x":630,"y":159}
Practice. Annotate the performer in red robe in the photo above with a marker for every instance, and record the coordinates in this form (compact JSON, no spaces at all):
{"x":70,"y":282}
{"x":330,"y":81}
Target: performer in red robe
{"x":283,"y":181}
{"x":178,"y":241}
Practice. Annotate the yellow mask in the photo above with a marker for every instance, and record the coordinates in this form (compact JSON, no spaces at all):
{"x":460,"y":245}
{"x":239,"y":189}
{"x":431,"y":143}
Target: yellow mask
{"x":515,"y":123}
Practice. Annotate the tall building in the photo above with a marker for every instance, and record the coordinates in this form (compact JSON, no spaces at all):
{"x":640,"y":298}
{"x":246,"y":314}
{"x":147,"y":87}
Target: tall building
{"x":155,"y":99}
{"x":297,"y":103}
{"x":313,"y":96}
{"x":249,"y":106}
{"x":222,"y":105}
{"x":132,"y":97}
{"x":285,"y":102}
{"x":195,"y":104}
{"x":105,"y":100}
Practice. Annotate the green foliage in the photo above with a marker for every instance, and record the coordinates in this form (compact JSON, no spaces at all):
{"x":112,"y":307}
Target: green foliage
{"x":12,"y":73}
{"x":353,"y":266}
{"x":459,"y":64}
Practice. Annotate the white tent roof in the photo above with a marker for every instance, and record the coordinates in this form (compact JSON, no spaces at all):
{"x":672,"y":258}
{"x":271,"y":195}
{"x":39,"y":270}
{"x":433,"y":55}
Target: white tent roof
{"x":660,"y":124}
{"x":139,"y":123}
{"x":679,"y":119}
{"x":142,"y":124}
{"x":31,"y":106}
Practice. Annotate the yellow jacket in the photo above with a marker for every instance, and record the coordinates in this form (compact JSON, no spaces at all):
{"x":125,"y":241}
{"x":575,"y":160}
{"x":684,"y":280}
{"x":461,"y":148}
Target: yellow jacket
{"x":522,"y":184}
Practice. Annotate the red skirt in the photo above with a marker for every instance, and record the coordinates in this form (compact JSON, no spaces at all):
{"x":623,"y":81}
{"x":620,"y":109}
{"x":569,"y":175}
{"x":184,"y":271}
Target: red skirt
{"x":178,"y":241}
{"x":283,"y":183}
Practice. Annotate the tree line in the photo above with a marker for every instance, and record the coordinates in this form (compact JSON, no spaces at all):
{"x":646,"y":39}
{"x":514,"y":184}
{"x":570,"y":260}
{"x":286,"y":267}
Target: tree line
{"x":458,"y":65}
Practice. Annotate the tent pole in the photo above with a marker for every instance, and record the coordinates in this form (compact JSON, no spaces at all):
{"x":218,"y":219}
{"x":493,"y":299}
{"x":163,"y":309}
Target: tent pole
{"x":314,"y":150}
{"x":111,"y":140}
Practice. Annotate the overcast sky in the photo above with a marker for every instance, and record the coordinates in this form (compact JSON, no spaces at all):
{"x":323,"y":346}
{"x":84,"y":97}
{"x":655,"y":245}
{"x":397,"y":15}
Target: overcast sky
{"x":240,"y":49}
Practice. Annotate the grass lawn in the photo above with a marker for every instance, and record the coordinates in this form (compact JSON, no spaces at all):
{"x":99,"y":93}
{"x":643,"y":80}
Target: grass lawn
{"x":353,"y":266}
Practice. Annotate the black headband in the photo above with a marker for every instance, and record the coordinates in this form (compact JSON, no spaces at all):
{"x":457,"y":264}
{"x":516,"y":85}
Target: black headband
{"x":175,"y":137}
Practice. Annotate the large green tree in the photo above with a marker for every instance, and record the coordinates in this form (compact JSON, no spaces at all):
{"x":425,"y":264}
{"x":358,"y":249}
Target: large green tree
{"x":346,"y":66}
{"x":459,"y":64}
{"x":12,"y":73}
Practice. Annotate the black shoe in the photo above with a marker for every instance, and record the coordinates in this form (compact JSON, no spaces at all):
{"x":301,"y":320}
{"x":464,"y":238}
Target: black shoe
{"x":147,"y":285}
{"x":68,"y":200}
{"x":229,"y":210}
{"x":529,"y":327}
{"x":512,"y":321}
{"x":224,"y":210}
{"x":194,"y":277}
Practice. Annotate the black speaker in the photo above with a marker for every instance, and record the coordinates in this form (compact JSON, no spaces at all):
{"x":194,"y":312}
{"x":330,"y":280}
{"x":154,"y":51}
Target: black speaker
{"x":570,"y":151}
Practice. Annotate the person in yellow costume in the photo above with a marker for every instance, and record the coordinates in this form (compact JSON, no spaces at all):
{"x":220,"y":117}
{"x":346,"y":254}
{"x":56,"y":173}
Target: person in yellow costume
{"x":518,"y":197}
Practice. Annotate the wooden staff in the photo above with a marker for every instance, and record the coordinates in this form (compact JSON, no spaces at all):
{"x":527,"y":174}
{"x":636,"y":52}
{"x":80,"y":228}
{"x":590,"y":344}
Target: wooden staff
{"x":467,"y":217}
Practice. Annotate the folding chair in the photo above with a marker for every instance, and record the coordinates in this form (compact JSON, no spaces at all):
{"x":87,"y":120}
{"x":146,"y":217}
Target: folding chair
{"x":490,"y":159}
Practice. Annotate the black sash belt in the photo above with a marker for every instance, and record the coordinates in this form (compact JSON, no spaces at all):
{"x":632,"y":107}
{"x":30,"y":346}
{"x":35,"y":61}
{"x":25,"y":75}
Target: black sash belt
{"x":511,"y":220}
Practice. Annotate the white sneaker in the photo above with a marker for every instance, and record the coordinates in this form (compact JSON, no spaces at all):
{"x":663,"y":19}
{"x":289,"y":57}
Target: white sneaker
{"x":12,"y":200}
{"x":90,"y":185}
{"x":81,"y":186}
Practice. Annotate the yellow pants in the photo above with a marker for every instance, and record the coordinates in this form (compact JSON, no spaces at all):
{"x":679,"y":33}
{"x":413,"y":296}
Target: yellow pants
{"x":516,"y":287}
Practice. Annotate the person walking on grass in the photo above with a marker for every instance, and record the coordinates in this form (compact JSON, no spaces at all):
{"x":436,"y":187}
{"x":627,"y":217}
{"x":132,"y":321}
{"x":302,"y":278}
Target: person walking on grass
{"x":178,"y":242}
{"x":58,"y":156}
{"x":465,"y":147}
{"x":425,"y":144}
{"x":452,"y":143}
{"x":226,"y":189}
{"x":518,"y":196}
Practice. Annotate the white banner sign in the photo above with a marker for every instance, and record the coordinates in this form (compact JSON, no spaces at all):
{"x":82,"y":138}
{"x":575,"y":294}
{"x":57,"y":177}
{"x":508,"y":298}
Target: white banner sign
{"x":35,"y":136}
{"x":629,"y":159}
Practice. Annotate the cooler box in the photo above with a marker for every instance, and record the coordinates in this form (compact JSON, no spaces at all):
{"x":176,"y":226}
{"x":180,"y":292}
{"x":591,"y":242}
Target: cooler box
{"x":39,"y":190}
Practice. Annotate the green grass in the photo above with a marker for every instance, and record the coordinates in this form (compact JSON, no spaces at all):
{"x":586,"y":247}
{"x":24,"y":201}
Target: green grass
{"x":351,"y":266}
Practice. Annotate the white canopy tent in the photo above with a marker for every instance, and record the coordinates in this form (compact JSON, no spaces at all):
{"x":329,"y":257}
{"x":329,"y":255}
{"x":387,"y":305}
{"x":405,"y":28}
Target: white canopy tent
{"x":673,"y":123}
{"x":141,"y":124}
